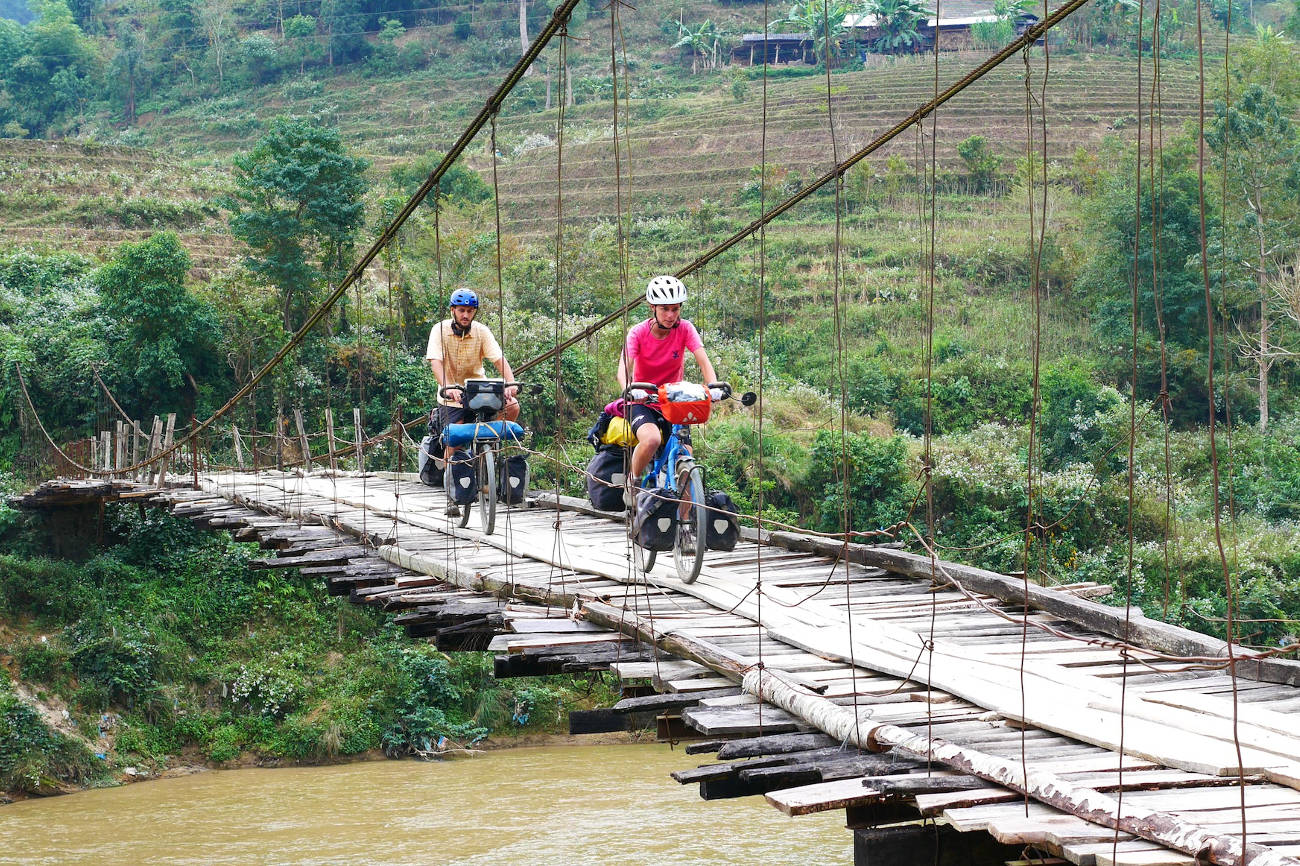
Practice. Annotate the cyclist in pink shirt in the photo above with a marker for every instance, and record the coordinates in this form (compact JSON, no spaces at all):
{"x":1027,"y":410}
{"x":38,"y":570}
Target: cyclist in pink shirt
{"x":655,"y":353}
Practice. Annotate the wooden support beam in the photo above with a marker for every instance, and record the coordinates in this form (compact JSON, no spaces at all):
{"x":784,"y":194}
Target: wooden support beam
{"x":302,"y":440}
{"x":329,"y":436}
{"x":359,"y":432}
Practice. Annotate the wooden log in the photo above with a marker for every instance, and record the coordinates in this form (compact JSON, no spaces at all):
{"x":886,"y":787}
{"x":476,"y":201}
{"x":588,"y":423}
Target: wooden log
{"x":356,"y":426}
{"x":329,"y":437}
{"x":669,"y":701}
{"x":302,"y":440}
{"x":777,"y":744}
{"x":1163,"y":828}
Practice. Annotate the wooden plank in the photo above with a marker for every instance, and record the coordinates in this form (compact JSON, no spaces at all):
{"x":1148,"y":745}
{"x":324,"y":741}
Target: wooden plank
{"x":824,"y":796}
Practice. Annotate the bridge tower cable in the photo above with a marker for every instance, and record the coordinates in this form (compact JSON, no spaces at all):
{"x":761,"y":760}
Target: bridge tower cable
{"x":557,"y":444}
{"x":760,"y":303}
{"x":930,"y":266}
{"x":836,"y":276}
{"x":502,"y":478}
{"x":1035,"y":157}
{"x":622,"y":215}
{"x":1230,"y":612}
{"x":1130,"y":480}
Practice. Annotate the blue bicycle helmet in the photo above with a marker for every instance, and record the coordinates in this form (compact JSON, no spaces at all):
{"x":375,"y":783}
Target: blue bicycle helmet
{"x":463,"y":298}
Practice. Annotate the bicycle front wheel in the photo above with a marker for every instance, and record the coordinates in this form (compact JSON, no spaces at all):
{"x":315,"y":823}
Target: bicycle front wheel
{"x":487,"y":488}
{"x":688,"y":552}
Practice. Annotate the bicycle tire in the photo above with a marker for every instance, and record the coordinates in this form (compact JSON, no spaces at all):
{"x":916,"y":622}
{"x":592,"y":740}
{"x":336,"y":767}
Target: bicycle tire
{"x":487,"y":488}
{"x":465,"y":509}
{"x":688,"y":551}
{"x":647,"y":558}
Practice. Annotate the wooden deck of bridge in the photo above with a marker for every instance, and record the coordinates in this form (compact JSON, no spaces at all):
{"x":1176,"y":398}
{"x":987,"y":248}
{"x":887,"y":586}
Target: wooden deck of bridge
{"x":555,"y":589}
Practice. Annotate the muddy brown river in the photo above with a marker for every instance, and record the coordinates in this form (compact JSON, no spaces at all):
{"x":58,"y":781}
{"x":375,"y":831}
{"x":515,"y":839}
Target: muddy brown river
{"x":552,"y":805}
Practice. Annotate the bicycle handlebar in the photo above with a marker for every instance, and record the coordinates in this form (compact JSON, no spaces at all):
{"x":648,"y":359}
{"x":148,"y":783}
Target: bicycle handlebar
{"x":531,"y":387}
{"x":652,"y":390}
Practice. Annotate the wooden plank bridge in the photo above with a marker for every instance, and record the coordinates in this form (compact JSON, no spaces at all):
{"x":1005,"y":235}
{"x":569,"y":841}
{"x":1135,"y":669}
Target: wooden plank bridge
{"x":955,"y":715}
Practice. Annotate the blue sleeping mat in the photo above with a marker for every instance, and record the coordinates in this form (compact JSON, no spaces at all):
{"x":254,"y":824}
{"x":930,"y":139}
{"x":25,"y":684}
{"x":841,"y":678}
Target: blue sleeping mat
{"x":460,"y":435}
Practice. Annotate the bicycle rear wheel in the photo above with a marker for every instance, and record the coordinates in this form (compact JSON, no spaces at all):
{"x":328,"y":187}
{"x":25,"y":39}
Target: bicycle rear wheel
{"x":688,"y":552}
{"x":487,"y":488}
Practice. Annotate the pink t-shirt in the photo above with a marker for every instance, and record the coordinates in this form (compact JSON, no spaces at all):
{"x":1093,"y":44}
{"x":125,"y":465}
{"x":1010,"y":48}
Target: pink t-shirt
{"x":657,"y":361}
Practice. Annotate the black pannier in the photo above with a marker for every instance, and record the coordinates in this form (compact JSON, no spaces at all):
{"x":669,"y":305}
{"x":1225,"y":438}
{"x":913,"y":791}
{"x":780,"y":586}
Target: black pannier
{"x":721,"y":525}
{"x":431,"y":461}
{"x":512,"y":486}
{"x":462,"y":487}
{"x":655,"y":524}
{"x":605,"y":476}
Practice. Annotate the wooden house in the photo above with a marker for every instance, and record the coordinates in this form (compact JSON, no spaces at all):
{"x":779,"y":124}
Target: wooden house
{"x":952,"y":28}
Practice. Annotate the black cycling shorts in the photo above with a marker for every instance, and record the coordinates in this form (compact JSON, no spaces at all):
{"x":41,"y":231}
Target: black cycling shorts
{"x":638,"y":414}
{"x":441,"y":416}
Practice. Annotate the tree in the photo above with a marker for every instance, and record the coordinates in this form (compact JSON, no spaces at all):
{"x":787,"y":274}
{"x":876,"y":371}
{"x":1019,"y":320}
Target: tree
{"x":703,"y":42}
{"x":297,"y":204}
{"x":823,"y":21}
{"x":1255,"y":144}
{"x":458,"y":183}
{"x":127,"y":66}
{"x":981,"y":161}
{"x":217,"y":20}
{"x":46,"y":69}
{"x":1270,"y":59}
{"x":899,"y":22}
{"x":161,"y":335}
{"x":300,"y":40}
{"x":1178,"y":313}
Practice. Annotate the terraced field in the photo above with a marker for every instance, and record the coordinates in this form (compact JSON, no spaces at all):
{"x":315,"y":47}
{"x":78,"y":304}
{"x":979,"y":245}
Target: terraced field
{"x":91,"y":199}
{"x":697,"y":146}
{"x":712,"y":151}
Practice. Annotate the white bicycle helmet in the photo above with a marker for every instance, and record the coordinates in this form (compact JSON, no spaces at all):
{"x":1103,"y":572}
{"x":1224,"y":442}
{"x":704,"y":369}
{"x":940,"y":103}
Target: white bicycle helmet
{"x":665,"y":290}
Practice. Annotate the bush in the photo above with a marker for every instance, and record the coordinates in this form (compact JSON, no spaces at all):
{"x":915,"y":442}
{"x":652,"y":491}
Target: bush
{"x":34,"y":758}
{"x":1073,"y":405}
{"x":119,"y":658}
{"x":42,"y":661}
{"x":878,"y":491}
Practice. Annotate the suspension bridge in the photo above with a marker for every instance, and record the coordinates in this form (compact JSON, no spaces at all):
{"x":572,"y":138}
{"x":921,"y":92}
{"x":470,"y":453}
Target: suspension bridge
{"x":955,"y":715}
{"x":952,"y":713}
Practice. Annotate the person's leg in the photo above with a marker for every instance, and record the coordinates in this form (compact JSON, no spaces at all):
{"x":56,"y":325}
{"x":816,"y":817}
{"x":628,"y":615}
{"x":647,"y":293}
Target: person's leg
{"x":450,"y":415}
{"x":645,"y":427}
{"x":511,"y":411}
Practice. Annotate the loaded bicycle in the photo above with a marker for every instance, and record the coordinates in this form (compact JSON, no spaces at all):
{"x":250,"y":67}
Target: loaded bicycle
{"x":674,"y":470}
{"x":481,"y":435}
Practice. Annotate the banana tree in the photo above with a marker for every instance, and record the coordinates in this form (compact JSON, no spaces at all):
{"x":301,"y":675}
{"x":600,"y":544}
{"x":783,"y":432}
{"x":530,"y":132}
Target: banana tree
{"x":823,"y":21}
{"x":900,"y":24}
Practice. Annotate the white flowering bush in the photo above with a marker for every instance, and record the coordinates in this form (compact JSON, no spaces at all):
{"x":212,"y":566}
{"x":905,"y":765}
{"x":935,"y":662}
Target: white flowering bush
{"x":533,"y":141}
{"x":265,"y":692}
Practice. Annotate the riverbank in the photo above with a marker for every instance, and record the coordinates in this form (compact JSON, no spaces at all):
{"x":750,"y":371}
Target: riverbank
{"x":192,"y":763}
{"x":163,"y":653}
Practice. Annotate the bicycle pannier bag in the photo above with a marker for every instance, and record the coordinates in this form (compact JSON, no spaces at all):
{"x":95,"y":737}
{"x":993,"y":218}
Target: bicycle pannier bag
{"x":431,"y":461}
{"x":605,"y":476}
{"x":721,"y":526}
{"x":684,"y":403}
{"x":512,"y":486}
{"x":462,"y":487}
{"x":655,"y":524}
